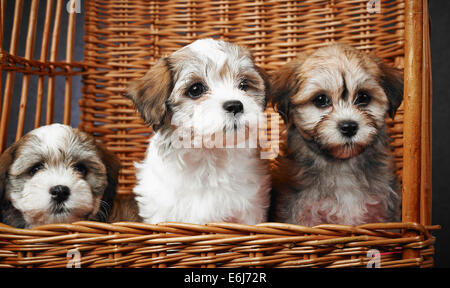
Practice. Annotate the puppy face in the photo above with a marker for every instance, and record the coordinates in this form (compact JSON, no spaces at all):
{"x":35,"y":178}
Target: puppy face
{"x":56,"y":174}
{"x":338,"y":98}
{"x":209,"y":86}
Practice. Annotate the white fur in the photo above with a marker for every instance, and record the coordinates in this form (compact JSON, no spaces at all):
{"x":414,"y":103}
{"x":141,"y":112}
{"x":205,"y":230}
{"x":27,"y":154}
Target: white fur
{"x":32,"y":198}
{"x":35,"y":202}
{"x":201,"y":185}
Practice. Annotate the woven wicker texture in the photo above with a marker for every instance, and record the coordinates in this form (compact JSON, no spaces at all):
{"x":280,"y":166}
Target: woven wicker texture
{"x":127,"y":37}
{"x":213,"y":245}
{"x":123,"y":39}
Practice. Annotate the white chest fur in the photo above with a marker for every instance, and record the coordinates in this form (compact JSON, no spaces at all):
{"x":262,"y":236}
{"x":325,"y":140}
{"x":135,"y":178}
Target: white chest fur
{"x":343,"y":194}
{"x":201,"y":185}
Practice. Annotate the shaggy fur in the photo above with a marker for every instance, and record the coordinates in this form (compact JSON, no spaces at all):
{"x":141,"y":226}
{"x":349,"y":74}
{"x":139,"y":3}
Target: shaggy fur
{"x":56,"y":156}
{"x":330,"y":174}
{"x":199,"y":182}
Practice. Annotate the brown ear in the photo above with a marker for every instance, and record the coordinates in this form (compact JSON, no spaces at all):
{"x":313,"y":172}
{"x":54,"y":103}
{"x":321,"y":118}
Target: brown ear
{"x":266,"y":80}
{"x":391,"y":80}
{"x":283,"y":85}
{"x":112,"y":164}
{"x":6,"y":159}
{"x":150,"y":93}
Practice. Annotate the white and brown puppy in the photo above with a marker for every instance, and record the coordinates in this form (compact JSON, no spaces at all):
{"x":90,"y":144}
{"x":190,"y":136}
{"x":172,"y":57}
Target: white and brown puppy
{"x":56,"y":174}
{"x":337,"y":167}
{"x":209,"y":88}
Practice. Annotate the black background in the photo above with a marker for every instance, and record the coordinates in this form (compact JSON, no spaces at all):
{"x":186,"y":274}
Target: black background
{"x":440,"y":52}
{"x":440,"y":60}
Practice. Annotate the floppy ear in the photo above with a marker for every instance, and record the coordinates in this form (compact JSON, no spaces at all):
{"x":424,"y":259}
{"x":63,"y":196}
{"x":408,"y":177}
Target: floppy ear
{"x":150,"y":93}
{"x":391,"y":80}
{"x":112,"y":164}
{"x":266,"y":81}
{"x":6,"y":159}
{"x":283,"y":85}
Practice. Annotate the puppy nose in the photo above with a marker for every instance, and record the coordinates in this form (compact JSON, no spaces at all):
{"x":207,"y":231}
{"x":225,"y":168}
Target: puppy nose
{"x":234,"y":106}
{"x":348,"y":128}
{"x":60,"y":193}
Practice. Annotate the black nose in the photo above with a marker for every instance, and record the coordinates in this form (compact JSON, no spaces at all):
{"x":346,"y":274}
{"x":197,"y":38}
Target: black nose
{"x":348,"y":128}
{"x":233,"y":106}
{"x":60,"y":193}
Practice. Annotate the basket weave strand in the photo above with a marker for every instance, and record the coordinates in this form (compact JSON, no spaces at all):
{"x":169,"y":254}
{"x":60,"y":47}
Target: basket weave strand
{"x":216,"y":244}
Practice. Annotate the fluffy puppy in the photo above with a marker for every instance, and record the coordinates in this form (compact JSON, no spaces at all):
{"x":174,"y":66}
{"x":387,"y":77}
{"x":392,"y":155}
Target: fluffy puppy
{"x":56,"y":174}
{"x":206,"y":93}
{"x":337,"y":167}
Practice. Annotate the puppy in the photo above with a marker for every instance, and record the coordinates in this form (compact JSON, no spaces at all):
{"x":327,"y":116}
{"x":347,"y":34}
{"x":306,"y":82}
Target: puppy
{"x":337,"y":167}
{"x":209,"y":91}
{"x":56,"y":174}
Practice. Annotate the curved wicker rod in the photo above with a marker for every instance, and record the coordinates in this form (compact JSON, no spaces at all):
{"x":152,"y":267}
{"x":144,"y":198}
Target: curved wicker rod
{"x":299,"y":229}
{"x":9,"y":83}
{"x":5,"y":230}
{"x":186,"y":230}
{"x":88,"y":250}
{"x":24,"y":70}
{"x":9,"y":61}
{"x":29,"y":49}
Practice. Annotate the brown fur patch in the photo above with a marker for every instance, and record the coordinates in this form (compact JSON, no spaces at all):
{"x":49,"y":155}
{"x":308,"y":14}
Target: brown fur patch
{"x":150,"y":93}
{"x":112,"y":164}
{"x":125,"y":209}
{"x":6,"y":160}
{"x":284,"y":84}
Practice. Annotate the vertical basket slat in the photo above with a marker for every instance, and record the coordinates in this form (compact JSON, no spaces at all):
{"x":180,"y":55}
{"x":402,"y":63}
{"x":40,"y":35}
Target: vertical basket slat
{"x":43,"y":58}
{"x":29,"y":49}
{"x":413,"y":110}
{"x":426,"y":157}
{"x":9,"y":82}
{"x":53,"y":58}
{"x":70,"y":42}
{"x":414,"y":55}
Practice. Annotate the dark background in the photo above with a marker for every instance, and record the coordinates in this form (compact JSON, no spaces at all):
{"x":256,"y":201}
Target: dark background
{"x":440,"y":60}
{"x":440,"y":52}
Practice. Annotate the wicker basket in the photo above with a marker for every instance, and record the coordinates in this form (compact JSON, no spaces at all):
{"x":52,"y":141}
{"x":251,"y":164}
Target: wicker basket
{"x":124,"y":38}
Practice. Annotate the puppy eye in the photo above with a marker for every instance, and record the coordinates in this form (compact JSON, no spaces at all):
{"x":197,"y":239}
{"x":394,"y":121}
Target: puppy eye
{"x":196,"y":90}
{"x":322,"y":101}
{"x":363,"y":99}
{"x":36,"y":167}
{"x":81,"y":168}
{"x":243,"y":85}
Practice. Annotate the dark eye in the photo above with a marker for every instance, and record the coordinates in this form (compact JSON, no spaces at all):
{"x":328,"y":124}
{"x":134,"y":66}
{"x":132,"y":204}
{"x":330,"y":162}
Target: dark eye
{"x":81,"y":168}
{"x":196,"y":90}
{"x":243,"y":85}
{"x":363,"y":99}
{"x":36,"y":167}
{"x":322,"y":101}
